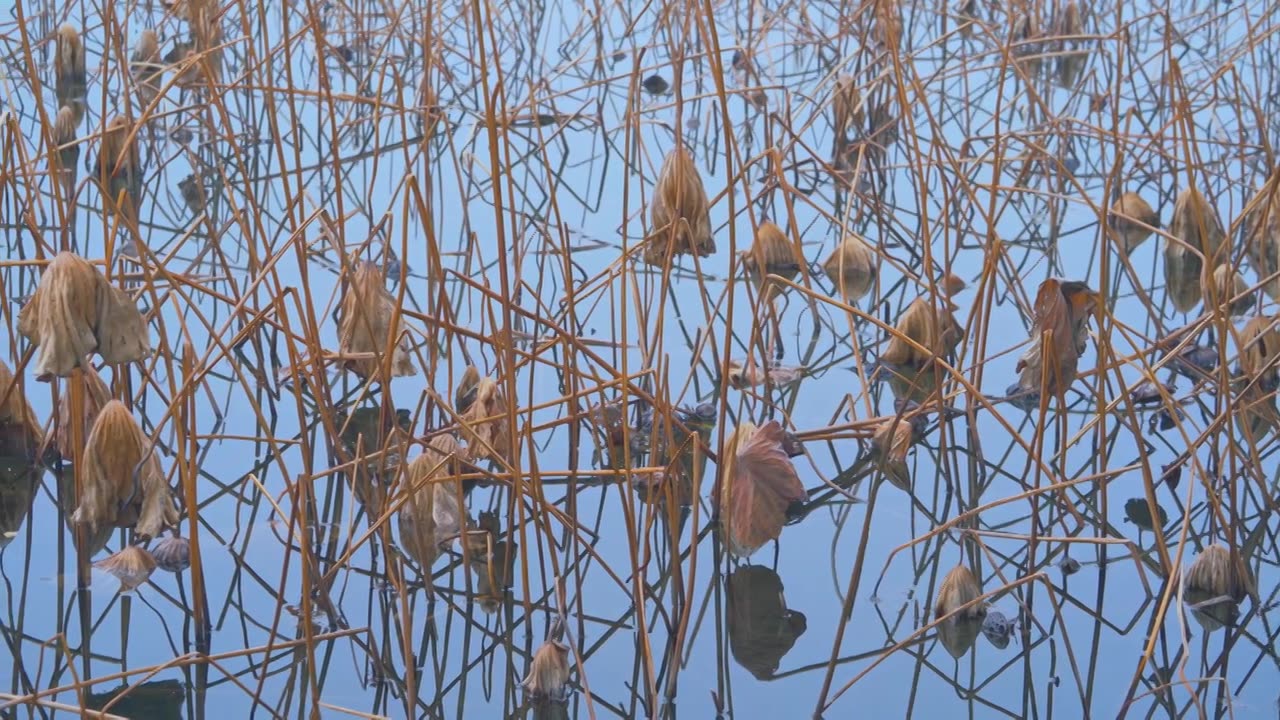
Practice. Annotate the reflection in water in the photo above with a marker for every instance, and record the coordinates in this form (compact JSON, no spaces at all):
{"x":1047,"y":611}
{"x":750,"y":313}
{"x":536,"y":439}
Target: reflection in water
{"x":155,"y":700}
{"x":761,"y":628}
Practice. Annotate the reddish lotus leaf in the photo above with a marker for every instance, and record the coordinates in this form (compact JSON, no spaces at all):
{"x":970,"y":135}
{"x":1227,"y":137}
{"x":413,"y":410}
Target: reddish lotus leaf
{"x":758,"y":484}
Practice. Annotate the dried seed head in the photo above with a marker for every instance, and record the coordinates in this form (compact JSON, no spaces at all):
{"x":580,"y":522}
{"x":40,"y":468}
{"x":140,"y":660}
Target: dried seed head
{"x":96,"y":395}
{"x":65,"y":154}
{"x":549,"y":672}
{"x":1259,"y":346}
{"x":369,"y":323}
{"x":846,"y":108}
{"x":1216,"y":574}
{"x":1196,"y":235}
{"x":20,"y":433}
{"x":119,"y":168}
{"x":680,"y":216}
{"x":1133,"y":221}
{"x":69,"y":69}
{"x":61,"y":316}
{"x":1231,"y":291}
{"x":959,"y":588}
{"x":465,"y":395}
{"x":131,"y":566}
{"x":932,"y":328}
{"x":852,"y":267}
{"x":484,"y":424}
{"x":110,"y":494}
{"x":889,"y":446}
{"x":771,"y":254}
{"x":1262,"y":235}
{"x":172,"y":553}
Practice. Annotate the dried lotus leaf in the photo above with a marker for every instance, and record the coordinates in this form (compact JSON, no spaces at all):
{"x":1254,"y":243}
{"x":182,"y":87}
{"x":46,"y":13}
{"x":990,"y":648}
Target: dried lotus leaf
{"x":852,"y":267}
{"x":934,"y":330}
{"x":366,"y":325}
{"x":680,"y":218}
{"x":1133,"y":221}
{"x":757,"y":486}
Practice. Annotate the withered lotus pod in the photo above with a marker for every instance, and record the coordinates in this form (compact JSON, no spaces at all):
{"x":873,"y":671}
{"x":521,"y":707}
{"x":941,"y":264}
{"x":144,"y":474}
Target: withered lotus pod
{"x":1196,"y":235}
{"x":69,"y":70}
{"x":465,"y":395}
{"x":1231,"y":291}
{"x":1133,"y":221}
{"x":484,"y":423}
{"x":1215,"y":584}
{"x":119,"y":169}
{"x":934,"y":329}
{"x":548,"y":676}
{"x":131,"y":566}
{"x":146,"y":67}
{"x":366,"y":326}
{"x":95,"y":397}
{"x":761,"y":628}
{"x":64,"y":157}
{"x":680,"y":217}
{"x":172,"y":553}
{"x":758,"y":484}
{"x":959,"y":631}
{"x":846,"y":107}
{"x":417,"y":515}
{"x":75,"y":311}
{"x":20,"y":433}
{"x":1059,"y":334}
{"x":852,"y":267}
{"x":1262,"y":235}
{"x":1259,"y":346}
{"x":889,"y":446}
{"x":771,"y":254}
{"x":116,"y":449}
{"x":1070,"y":27}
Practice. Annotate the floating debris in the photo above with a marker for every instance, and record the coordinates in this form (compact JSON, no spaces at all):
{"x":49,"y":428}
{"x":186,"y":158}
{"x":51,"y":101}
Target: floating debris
{"x":1151,"y":392}
{"x":1133,"y":220}
{"x":758,"y":484}
{"x":997,"y":628}
{"x":370,"y":323}
{"x":74,"y":312}
{"x":852,"y":267}
{"x":761,"y":628}
{"x":749,"y":374}
{"x":1069,"y":566}
{"x":680,"y":218}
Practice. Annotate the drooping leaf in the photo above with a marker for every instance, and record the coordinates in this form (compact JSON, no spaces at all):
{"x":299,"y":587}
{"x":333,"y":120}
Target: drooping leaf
{"x":757,"y":484}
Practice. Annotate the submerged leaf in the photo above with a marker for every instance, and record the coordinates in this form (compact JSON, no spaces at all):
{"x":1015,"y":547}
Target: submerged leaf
{"x":757,"y":485}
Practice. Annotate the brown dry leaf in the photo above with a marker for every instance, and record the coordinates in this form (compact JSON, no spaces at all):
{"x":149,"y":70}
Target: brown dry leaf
{"x":887,"y":24}
{"x":1262,"y":235}
{"x":1069,"y":26}
{"x":852,"y":267}
{"x":417,"y":515}
{"x":115,"y":449}
{"x":771,"y":254}
{"x":953,"y":284}
{"x":20,"y":433}
{"x":69,"y":70}
{"x":1259,"y":346}
{"x":96,"y":395}
{"x":131,"y":566}
{"x":484,"y":423}
{"x":757,"y":484}
{"x":1133,"y":221}
{"x":1196,"y":235}
{"x":680,"y":218}
{"x":761,"y":628}
{"x":548,"y":672}
{"x":368,"y":311}
{"x":145,"y":66}
{"x":465,"y":395}
{"x":75,"y":311}
{"x":934,"y":329}
{"x":750,"y":374}
{"x":1231,"y":291}
{"x":959,"y":632}
{"x":1059,"y":329}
